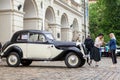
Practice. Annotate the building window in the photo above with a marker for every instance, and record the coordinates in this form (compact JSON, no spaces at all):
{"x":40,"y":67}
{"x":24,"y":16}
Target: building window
{"x":58,"y":35}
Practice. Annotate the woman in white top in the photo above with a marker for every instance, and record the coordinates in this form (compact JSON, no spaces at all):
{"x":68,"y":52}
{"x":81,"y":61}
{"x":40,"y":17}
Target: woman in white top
{"x":96,"y":56}
{"x":99,"y":41}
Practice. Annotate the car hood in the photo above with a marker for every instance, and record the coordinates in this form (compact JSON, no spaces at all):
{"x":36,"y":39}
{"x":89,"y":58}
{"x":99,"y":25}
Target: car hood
{"x":64,"y":44}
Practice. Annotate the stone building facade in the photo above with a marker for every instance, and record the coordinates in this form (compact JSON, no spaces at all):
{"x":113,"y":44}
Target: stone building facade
{"x":63,"y":18}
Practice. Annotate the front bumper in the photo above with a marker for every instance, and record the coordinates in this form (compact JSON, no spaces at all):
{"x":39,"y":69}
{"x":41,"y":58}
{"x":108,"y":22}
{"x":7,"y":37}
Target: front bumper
{"x":1,"y":54}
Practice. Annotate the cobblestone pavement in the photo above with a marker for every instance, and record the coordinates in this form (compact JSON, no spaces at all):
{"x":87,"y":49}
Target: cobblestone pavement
{"x":58,"y":71}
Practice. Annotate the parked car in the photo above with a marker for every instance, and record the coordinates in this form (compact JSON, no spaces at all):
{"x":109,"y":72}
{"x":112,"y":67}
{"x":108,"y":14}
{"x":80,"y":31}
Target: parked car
{"x":105,"y":50}
{"x":26,"y":46}
{"x":118,"y":51}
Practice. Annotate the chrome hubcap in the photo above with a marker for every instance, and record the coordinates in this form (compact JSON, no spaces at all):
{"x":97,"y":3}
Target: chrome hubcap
{"x":73,"y":60}
{"x":12,"y":59}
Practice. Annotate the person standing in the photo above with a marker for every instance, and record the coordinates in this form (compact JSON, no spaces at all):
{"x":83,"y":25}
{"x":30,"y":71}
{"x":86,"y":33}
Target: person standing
{"x":112,"y":47}
{"x":96,"y":54}
{"x":89,"y":44}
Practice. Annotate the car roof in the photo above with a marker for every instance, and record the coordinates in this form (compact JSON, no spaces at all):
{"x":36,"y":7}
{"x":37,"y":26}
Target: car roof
{"x":27,"y":31}
{"x":32,"y":31}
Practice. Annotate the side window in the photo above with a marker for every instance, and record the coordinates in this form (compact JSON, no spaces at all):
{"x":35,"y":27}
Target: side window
{"x":41,"y":38}
{"x":34,"y":37}
{"x":22,"y":37}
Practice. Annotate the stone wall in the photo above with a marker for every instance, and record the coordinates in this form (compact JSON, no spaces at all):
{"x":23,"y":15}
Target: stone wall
{"x":42,"y":15}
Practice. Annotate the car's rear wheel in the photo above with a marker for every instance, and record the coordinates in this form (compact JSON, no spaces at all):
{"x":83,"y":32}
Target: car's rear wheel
{"x":26,"y":62}
{"x":13,"y":59}
{"x":72,"y":60}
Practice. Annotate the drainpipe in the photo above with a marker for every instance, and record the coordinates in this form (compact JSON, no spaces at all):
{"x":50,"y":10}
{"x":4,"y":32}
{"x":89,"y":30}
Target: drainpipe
{"x":43,"y":12}
{"x":85,"y":17}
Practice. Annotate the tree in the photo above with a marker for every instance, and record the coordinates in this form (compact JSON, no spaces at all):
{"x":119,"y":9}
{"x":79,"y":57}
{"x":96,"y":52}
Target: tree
{"x":105,"y":18}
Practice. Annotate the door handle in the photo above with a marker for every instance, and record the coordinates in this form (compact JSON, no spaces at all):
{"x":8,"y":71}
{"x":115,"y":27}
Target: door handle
{"x":52,"y":46}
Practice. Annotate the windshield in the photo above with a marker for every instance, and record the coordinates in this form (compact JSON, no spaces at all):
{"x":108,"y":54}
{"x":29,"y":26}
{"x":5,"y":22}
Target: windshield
{"x":49,"y":36}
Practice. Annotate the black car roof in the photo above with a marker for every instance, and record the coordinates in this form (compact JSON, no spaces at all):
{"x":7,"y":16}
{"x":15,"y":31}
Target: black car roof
{"x":33,"y":31}
{"x":26,"y":31}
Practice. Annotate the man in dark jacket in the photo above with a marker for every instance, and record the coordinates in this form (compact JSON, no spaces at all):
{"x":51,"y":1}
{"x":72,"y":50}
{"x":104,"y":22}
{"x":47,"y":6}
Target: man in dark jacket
{"x":89,"y":44}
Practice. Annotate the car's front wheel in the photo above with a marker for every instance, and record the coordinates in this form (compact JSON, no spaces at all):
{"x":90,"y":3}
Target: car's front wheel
{"x":72,"y":60}
{"x":26,"y":62}
{"x":13,"y":59}
{"x":82,"y":62}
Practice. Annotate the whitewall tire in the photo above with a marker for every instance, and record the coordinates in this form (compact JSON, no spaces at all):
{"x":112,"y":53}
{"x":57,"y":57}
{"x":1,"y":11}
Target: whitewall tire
{"x":72,"y":60}
{"x":13,"y":59}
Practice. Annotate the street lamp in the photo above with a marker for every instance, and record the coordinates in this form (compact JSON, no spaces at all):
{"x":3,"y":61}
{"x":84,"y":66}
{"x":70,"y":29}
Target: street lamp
{"x":19,"y":6}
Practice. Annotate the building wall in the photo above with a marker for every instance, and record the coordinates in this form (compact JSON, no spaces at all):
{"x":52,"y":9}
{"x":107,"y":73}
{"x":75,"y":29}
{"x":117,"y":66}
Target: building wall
{"x":61,"y":17}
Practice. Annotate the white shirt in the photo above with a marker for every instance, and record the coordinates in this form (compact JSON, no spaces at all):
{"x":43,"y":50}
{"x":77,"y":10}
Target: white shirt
{"x":98,"y":42}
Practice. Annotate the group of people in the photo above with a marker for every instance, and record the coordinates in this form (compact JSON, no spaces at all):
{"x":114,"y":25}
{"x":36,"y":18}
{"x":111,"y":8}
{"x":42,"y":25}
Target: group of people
{"x":94,"y":48}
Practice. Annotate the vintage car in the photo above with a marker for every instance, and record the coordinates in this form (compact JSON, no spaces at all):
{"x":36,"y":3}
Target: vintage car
{"x":26,"y":46}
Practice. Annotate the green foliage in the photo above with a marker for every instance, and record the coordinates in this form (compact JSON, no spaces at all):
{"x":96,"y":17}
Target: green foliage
{"x":104,"y":17}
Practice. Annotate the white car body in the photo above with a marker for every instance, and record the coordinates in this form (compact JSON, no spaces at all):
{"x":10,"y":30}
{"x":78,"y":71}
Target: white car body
{"x":37,"y":51}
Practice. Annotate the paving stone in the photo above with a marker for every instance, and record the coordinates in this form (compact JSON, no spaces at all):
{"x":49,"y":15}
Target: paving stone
{"x":59,"y":71}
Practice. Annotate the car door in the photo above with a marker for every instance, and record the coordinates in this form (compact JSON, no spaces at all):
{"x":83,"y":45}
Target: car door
{"x":37,"y":47}
{"x":21,"y":41}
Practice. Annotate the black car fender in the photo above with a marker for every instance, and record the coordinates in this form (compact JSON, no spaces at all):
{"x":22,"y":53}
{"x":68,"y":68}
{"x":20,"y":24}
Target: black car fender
{"x":13,"y":49}
{"x":66,"y":51}
{"x":74,"y":49}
